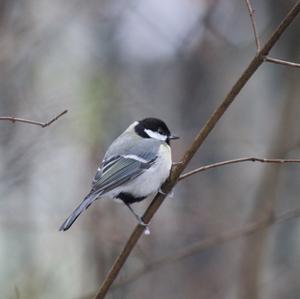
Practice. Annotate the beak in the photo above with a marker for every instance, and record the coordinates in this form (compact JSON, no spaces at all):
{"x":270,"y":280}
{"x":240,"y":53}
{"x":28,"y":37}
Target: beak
{"x":172,"y":137}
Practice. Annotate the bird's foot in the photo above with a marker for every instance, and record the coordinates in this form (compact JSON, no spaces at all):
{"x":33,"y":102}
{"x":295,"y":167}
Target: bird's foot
{"x":146,"y":228}
{"x":162,"y":192}
{"x":170,"y":194}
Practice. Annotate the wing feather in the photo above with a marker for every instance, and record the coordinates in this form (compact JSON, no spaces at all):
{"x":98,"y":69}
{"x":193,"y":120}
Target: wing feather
{"x":119,"y":170}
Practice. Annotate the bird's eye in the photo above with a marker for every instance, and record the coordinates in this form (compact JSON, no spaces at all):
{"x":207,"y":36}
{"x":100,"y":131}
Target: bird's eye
{"x":160,"y":131}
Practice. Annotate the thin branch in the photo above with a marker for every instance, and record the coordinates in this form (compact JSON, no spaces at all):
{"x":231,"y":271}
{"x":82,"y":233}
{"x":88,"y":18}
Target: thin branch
{"x":210,"y":242}
{"x":234,"y":161}
{"x":199,"y":139}
{"x":257,"y":40}
{"x":282,"y":62}
{"x":253,"y":23}
{"x":33,"y":122}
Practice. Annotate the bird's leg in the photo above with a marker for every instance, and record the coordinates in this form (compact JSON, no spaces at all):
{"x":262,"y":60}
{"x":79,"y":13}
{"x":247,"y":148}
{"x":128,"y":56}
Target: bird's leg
{"x":139,"y":219}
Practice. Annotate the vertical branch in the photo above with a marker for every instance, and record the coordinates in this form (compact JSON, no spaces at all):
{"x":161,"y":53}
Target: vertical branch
{"x":253,"y":23}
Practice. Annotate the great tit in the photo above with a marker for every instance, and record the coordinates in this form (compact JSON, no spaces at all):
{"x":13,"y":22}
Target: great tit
{"x":135,"y":166}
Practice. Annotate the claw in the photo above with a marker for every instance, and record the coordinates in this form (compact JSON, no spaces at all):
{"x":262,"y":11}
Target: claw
{"x":170,"y":194}
{"x":161,"y":192}
{"x":146,"y":228}
{"x":140,"y":220}
{"x":147,"y":231}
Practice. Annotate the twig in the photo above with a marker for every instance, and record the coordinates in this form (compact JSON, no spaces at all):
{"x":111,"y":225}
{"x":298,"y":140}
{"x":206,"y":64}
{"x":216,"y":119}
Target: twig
{"x":33,"y":122}
{"x":257,"y":40}
{"x":204,"y":132}
{"x":282,"y":62}
{"x":253,"y":23}
{"x":210,"y":242}
{"x":249,"y":159}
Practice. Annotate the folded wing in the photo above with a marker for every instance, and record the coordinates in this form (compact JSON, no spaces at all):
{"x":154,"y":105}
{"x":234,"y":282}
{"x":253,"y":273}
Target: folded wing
{"x":113,"y":173}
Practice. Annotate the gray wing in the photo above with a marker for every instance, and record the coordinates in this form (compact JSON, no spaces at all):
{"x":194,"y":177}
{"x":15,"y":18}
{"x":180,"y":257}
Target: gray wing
{"x":120,"y":166}
{"x":119,"y":170}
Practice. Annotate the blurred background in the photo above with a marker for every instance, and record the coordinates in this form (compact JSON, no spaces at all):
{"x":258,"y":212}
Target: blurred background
{"x":110,"y":63}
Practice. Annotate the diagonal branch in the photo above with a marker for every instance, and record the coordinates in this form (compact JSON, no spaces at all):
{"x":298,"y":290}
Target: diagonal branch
{"x":253,"y":23}
{"x":234,"y":161}
{"x":33,"y":122}
{"x":282,"y":62}
{"x":199,"y":139}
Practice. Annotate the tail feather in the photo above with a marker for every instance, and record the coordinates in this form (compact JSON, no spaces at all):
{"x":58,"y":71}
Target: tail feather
{"x":83,"y":206}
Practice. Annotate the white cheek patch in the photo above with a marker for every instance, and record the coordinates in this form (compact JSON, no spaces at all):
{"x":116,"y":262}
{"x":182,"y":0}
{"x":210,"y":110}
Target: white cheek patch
{"x":155,"y":135}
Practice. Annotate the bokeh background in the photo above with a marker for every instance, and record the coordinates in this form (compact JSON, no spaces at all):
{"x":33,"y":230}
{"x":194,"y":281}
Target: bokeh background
{"x":110,"y":63}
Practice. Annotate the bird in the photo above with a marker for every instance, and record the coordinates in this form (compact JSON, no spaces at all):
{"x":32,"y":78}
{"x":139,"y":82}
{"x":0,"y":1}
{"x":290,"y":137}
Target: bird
{"x":134,"y":167}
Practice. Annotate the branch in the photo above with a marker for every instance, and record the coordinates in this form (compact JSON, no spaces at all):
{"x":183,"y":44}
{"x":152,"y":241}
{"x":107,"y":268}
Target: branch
{"x":33,"y":122}
{"x":282,"y":62}
{"x":234,"y":161}
{"x":257,"y":40}
{"x":210,"y":242}
{"x":199,"y":139}
{"x":253,"y":23}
